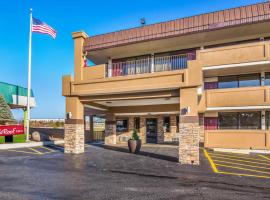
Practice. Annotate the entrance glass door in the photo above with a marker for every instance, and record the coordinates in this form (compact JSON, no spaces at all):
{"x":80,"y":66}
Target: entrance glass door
{"x":151,"y":130}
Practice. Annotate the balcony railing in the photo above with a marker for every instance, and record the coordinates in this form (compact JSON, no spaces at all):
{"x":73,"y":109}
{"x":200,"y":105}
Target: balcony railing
{"x":148,"y":65}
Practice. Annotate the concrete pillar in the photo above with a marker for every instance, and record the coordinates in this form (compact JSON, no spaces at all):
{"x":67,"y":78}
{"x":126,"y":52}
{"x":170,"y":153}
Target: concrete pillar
{"x":74,"y":126}
{"x":110,"y":129}
{"x":189,"y":133}
{"x":109,"y":67}
{"x":79,"y":62}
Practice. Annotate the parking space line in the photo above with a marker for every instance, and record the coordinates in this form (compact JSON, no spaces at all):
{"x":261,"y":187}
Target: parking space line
{"x":249,"y":175}
{"x":233,"y":159}
{"x":265,"y":157}
{"x":51,"y":150}
{"x":38,"y":152}
{"x":220,"y":161}
{"x":230,"y":156}
{"x":210,"y":161}
{"x":241,"y":168}
{"x":20,"y":151}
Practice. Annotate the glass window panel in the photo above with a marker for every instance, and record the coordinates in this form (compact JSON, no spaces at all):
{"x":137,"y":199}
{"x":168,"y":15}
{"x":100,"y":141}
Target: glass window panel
{"x":121,"y":125}
{"x":267,"y":78}
{"x":227,"y":82}
{"x":248,"y":80}
{"x":267,"y":120}
{"x":137,"y":123}
{"x":228,"y":120}
{"x":250,"y":120}
{"x":166,"y":124}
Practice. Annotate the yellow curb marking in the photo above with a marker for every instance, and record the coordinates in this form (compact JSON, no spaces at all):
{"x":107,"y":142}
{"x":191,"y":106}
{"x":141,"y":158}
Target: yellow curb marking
{"x":252,"y":170}
{"x":265,"y":157}
{"x":231,"y":156}
{"x":233,"y":159}
{"x":38,"y":152}
{"x":221,"y":161}
{"x":210,"y":161}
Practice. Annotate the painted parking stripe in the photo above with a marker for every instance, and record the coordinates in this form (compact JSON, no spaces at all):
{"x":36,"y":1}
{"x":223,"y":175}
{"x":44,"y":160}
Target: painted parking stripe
{"x":210,"y":161}
{"x":265,"y":157}
{"x":20,"y":151}
{"x":50,"y":150}
{"x":233,"y":163}
{"x":241,"y":168}
{"x":248,"y":175}
{"x":233,"y":156}
{"x":38,"y":152}
{"x":239,"y":160}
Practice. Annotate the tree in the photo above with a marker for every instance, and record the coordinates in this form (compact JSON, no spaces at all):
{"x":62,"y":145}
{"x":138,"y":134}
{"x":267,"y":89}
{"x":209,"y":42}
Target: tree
{"x":5,"y":113}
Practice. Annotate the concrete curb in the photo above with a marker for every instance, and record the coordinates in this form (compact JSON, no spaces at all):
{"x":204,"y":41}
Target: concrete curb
{"x":29,"y":144}
{"x":242,"y":151}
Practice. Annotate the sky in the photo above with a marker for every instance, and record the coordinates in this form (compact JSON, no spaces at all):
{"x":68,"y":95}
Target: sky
{"x":51,"y":59}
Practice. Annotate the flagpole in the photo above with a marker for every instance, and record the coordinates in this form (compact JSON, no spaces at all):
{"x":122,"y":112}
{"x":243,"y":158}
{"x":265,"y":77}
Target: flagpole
{"x":29,"y":77}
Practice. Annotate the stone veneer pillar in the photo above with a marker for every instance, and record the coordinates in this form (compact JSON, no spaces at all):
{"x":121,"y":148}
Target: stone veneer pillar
{"x":74,"y":136}
{"x":110,"y":129}
{"x":189,"y":140}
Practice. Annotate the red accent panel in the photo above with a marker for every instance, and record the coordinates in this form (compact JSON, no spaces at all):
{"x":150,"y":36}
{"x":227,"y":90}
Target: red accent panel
{"x":11,"y":130}
{"x":210,"y":85}
{"x":210,"y":123}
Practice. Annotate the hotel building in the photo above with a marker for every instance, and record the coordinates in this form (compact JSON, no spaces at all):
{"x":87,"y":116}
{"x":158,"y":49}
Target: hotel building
{"x":200,"y":79}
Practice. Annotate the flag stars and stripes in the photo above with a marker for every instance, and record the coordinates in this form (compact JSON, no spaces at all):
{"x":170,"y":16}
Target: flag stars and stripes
{"x":41,"y":27}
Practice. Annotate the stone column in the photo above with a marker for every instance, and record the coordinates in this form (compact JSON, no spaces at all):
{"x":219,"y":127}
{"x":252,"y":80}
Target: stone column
{"x":189,"y":140}
{"x":160,"y":131}
{"x":142,"y":129}
{"x":74,"y":126}
{"x":110,"y":129}
{"x":189,"y":132}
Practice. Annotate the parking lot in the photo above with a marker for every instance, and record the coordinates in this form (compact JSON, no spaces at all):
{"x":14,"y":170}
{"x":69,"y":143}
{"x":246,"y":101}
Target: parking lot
{"x":256,"y":165}
{"x":106,"y":172}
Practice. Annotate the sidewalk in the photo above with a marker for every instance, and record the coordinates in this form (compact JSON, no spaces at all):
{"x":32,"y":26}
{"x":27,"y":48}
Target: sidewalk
{"x":30,"y":144}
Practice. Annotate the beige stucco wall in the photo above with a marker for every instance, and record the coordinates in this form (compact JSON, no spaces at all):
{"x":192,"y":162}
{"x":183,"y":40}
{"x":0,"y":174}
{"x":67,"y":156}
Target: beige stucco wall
{"x":246,"y":139}
{"x":235,"y":54}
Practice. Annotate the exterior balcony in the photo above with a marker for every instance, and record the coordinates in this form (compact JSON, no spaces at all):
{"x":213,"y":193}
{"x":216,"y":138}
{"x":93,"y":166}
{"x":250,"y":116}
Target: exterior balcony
{"x":143,"y":75}
{"x":236,"y":99}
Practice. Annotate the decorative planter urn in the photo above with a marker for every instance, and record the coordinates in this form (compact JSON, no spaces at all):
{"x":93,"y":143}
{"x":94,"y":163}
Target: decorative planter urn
{"x":134,"y":146}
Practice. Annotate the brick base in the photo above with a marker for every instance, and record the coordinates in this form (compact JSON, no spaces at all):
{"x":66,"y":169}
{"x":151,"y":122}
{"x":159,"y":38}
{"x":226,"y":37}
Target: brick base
{"x":74,"y":138}
{"x":189,"y":143}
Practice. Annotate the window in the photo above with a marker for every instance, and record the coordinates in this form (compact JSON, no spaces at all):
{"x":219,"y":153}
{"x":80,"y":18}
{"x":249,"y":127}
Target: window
{"x":267,"y":120}
{"x":267,"y":78}
{"x":210,"y":85}
{"x":228,"y":120}
{"x":166,"y":124}
{"x":122,"y":125}
{"x":249,"y":80}
{"x":250,"y":120}
{"x":177,"y":124}
{"x":245,"y":120}
{"x":137,"y":123}
{"x":227,"y":82}
{"x":243,"y":80}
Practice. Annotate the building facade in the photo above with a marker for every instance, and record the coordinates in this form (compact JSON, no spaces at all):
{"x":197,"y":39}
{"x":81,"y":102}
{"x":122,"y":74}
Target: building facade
{"x":203,"y":79}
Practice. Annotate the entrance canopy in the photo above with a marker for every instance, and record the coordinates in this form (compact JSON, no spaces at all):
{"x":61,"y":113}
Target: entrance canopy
{"x":16,"y":96}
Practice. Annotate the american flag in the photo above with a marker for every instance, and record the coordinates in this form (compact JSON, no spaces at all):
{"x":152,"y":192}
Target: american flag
{"x":41,"y":27}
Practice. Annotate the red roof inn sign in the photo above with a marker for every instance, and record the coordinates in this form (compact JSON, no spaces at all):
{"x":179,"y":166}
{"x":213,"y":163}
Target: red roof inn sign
{"x":11,"y":130}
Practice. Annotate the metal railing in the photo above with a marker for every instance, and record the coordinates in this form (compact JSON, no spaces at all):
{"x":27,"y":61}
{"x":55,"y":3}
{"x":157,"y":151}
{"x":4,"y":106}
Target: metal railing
{"x":142,"y":66}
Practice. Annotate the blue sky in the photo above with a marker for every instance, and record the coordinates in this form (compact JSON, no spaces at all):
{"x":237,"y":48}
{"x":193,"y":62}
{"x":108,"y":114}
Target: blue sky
{"x":54,"y":58}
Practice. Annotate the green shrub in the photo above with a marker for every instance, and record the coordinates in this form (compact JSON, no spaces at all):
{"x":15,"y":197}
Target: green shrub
{"x":2,"y":139}
{"x":19,"y":138}
{"x":135,"y":135}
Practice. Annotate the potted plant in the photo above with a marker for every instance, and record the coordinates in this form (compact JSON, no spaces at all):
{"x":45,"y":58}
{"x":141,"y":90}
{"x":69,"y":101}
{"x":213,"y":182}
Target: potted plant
{"x":134,"y":143}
